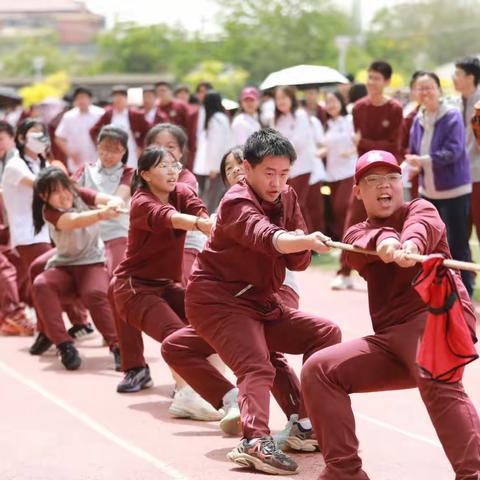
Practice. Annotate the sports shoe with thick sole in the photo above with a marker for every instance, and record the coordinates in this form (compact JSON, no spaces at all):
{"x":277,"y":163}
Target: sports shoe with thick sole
{"x":41,"y":344}
{"x":189,"y":404}
{"x":135,"y":379}
{"x":230,"y":424}
{"x":302,"y":440}
{"x":69,"y":355}
{"x":263,"y":455}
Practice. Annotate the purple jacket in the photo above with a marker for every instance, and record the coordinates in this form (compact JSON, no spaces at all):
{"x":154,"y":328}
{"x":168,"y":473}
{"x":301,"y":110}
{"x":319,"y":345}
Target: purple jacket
{"x":450,"y":164}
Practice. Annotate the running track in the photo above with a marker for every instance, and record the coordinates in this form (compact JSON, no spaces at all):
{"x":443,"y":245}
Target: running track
{"x":58,"y":425}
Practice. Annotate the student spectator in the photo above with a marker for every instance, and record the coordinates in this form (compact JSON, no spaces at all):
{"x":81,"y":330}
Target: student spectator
{"x":437,"y":148}
{"x":73,"y":132}
{"x":132,"y":121}
{"x":466,"y":80}
{"x":246,"y":122}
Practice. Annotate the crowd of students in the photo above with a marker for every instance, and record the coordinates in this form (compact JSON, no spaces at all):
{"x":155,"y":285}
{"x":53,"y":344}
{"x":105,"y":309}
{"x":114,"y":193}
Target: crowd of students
{"x":180,"y":224}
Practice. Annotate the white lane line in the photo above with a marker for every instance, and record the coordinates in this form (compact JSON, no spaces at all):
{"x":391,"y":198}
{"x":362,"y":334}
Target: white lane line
{"x":388,"y":426}
{"x":97,"y":427}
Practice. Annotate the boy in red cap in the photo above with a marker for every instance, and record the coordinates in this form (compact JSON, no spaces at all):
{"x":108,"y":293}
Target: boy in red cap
{"x":386,"y":360}
{"x":233,"y":306}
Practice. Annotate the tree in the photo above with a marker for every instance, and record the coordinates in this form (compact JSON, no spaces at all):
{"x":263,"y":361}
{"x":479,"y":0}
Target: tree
{"x":262,"y":37}
{"x":425,"y":34}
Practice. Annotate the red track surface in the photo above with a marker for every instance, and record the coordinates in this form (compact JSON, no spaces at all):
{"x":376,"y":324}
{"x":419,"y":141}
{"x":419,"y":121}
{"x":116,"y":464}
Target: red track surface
{"x":59,"y":425}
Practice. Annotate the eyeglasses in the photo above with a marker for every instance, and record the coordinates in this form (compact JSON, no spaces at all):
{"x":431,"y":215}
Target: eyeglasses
{"x":376,"y":180}
{"x":176,"y":166}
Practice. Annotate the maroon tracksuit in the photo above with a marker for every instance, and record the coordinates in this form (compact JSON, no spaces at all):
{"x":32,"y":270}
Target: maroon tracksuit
{"x":146,"y":293}
{"x":381,"y":129}
{"x":232,"y":302}
{"x":386,"y":360}
{"x":89,"y":282}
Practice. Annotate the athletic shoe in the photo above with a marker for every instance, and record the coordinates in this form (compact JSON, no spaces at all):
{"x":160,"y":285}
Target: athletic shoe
{"x":81,"y":332}
{"x":41,"y":344}
{"x":9,"y":330}
{"x":342,"y":282}
{"x":230,"y":424}
{"x":117,"y":359}
{"x":69,"y":356}
{"x":301,"y":439}
{"x":264,"y":455}
{"x":187,"y":403}
{"x":135,"y":379}
{"x":21,"y":322}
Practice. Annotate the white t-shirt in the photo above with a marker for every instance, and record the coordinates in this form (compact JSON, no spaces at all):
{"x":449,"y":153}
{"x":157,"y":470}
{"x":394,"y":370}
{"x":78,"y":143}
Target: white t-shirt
{"x":243,"y":126}
{"x":150,"y":115}
{"x":318,"y":168}
{"x":74,"y":128}
{"x":121,"y":120}
{"x":298,"y":129}
{"x":18,"y":202}
{"x":341,"y":151}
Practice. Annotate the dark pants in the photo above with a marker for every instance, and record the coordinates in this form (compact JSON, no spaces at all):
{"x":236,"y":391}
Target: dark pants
{"x":341,"y":191}
{"x":385,"y":361}
{"x":9,"y":300}
{"x":301,"y":187}
{"x":243,"y":337}
{"x":315,"y":209}
{"x":89,"y":283}
{"x":455,"y":213}
{"x":157,"y":310}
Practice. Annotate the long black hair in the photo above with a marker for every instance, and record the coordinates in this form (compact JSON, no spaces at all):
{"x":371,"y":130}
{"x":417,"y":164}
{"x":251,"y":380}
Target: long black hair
{"x":149,"y":158}
{"x":21,"y":139}
{"x":237,"y":153}
{"x":343,"y":106}
{"x":177,"y":132}
{"x":212,"y":105}
{"x":115,"y":134}
{"x":291,"y":93}
{"x":45,"y":184}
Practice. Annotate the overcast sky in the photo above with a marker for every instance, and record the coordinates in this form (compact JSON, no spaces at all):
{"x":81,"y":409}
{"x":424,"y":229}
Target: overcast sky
{"x":193,"y":14}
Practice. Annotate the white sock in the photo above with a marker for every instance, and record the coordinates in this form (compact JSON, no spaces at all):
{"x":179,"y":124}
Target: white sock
{"x":230,"y":398}
{"x":305,"y":423}
{"x":252,"y":441}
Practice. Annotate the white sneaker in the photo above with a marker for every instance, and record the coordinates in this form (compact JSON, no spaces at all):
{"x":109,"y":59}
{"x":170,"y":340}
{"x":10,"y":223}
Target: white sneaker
{"x":342,"y":282}
{"x":230,"y":424}
{"x":189,"y":404}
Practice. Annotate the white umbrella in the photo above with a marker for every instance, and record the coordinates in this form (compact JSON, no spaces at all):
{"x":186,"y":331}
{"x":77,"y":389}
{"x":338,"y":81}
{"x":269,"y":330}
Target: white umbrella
{"x":229,"y":104}
{"x":304,"y":76}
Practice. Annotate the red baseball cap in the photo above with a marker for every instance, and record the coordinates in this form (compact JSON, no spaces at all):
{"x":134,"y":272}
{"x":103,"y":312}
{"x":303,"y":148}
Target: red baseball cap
{"x":249,"y":92}
{"x":375,"y":158}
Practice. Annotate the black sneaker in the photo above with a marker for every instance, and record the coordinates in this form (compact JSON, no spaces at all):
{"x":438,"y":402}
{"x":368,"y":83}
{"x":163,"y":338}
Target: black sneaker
{"x":41,"y":344}
{"x":135,"y":380}
{"x":78,"y":332}
{"x":263,"y":455}
{"x":117,"y":359}
{"x":69,"y":355}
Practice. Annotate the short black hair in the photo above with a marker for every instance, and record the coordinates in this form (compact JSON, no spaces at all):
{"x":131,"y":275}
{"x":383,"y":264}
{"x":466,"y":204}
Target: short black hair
{"x":356,"y":92}
{"x":267,"y":143}
{"x":382,"y":67}
{"x":433,"y":76}
{"x":415,"y":75}
{"x":7,"y":128}
{"x":80,"y":90}
{"x":162,"y":83}
{"x":182,"y":88}
{"x":120,"y":89}
{"x":113,"y":133}
{"x":206,"y":85}
{"x":471,"y":66}
{"x":148,"y":88}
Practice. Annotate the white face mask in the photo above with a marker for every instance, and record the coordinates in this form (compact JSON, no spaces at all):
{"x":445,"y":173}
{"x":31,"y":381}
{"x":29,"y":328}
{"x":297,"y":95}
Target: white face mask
{"x":37,"y":142}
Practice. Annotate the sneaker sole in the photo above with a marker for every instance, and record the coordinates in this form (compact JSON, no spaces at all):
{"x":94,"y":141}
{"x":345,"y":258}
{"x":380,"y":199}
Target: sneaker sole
{"x":182,"y":413}
{"x":302,"y":445}
{"x":248,"y":461}
{"x":145,"y":385}
{"x":231,"y":425}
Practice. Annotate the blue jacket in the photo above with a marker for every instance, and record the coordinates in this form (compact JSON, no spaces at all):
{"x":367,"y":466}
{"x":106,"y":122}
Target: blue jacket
{"x":450,"y":163}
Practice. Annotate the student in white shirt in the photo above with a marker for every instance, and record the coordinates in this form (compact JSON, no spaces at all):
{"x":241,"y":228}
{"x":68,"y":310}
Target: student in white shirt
{"x":73,"y":132}
{"x":341,"y":157}
{"x":294,"y":123}
{"x":246,"y":122}
{"x":216,"y":141}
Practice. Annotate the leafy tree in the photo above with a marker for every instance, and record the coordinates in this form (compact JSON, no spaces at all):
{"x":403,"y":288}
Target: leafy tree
{"x":425,"y":34}
{"x":263,"y":37}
